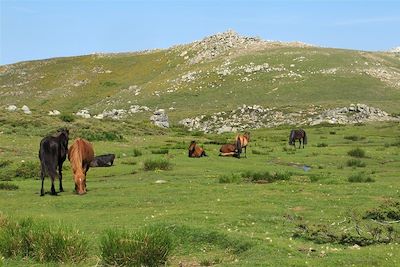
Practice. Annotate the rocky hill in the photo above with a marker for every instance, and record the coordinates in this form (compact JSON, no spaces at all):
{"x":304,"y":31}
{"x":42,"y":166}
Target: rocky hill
{"x":203,"y":83}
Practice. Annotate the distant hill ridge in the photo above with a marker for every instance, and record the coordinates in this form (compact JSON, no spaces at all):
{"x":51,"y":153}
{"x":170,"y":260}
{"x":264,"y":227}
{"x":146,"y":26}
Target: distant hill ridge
{"x":216,"y":74}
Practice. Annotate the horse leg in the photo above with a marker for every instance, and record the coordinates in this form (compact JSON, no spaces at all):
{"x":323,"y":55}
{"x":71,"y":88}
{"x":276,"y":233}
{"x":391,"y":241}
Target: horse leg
{"x":303,"y":142}
{"x":245,"y":152}
{"x":299,"y":143}
{"x":60,"y":176}
{"x":42,"y":177}
{"x":53,"y":190}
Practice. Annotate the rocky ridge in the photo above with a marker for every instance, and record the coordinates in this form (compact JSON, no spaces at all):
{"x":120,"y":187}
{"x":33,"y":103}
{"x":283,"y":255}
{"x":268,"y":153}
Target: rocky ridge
{"x":255,"y":117}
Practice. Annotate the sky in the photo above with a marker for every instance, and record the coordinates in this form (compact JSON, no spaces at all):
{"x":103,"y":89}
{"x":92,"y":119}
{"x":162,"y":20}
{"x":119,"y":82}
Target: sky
{"x":39,"y":29}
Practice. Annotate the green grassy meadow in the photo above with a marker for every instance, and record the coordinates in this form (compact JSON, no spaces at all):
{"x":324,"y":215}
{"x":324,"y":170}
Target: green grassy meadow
{"x":219,"y":224}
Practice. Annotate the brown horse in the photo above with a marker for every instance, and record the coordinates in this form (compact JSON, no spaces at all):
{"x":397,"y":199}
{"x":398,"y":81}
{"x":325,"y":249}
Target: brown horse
{"x":80,"y":154}
{"x":243,"y":139}
{"x":229,"y":150}
{"x":297,"y":135}
{"x":196,"y":151}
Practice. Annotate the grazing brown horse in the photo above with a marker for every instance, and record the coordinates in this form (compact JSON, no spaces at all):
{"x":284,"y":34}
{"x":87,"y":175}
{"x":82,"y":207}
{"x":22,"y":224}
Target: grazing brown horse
{"x":80,"y":154}
{"x":229,"y":150}
{"x":196,"y":151}
{"x":243,"y":139}
{"x":297,"y":135}
{"x":52,"y":154}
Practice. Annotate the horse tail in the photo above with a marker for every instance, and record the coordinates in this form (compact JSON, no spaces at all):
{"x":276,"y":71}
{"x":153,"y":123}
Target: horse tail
{"x":305,"y":138}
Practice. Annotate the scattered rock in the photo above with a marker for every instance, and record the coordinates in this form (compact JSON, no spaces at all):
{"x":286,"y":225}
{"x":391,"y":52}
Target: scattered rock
{"x":26,"y":109}
{"x":12,"y":108}
{"x":84,"y":113}
{"x":160,"y":118}
{"x":54,"y":112}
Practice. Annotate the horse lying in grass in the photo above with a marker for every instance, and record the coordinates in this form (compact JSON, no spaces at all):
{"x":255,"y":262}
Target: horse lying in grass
{"x":297,"y":135}
{"x":230,"y":150}
{"x":106,"y":160}
{"x":52,"y":154}
{"x":195,"y":151}
{"x":80,"y":154}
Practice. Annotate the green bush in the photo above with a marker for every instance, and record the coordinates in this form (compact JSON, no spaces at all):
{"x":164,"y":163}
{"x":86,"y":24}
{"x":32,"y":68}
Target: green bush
{"x":8,"y":186}
{"x":156,"y":164}
{"x":67,"y":117}
{"x":228,"y":179}
{"x":149,"y":246}
{"x":387,"y":211}
{"x":92,"y":135}
{"x":41,"y":242}
{"x":28,"y":170}
{"x":357,"y":153}
{"x":355,"y":163}
{"x":360,"y":178}
{"x":322,"y":145}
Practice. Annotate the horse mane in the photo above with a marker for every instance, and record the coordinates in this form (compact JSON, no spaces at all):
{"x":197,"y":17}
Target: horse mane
{"x":75,"y":156}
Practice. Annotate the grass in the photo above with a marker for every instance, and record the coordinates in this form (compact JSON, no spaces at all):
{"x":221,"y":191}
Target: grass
{"x":156,"y":164}
{"x":360,"y":177}
{"x":149,"y":246}
{"x":355,"y":163}
{"x":213,"y":214}
{"x":41,"y":242}
{"x":8,"y":186}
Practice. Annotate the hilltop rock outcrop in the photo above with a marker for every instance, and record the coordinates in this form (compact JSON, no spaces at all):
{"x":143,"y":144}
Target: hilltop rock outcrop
{"x":160,"y":118}
{"x":255,"y":117}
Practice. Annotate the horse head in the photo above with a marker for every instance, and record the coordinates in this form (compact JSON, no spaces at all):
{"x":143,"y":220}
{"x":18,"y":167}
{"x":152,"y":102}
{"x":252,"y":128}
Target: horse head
{"x":80,"y":183}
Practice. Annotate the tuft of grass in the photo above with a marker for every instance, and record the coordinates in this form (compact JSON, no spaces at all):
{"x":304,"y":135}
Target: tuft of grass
{"x":160,"y":151}
{"x":97,"y":135}
{"x":5,"y":163}
{"x":156,"y":164}
{"x":260,"y":177}
{"x":136,"y":152}
{"x":354,"y":137}
{"x":149,"y":246}
{"x":42,"y":242}
{"x":360,"y":178}
{"x":229,"y":179}
{"x":322,"y":145}
{"x":387,"y":211}
{"x":356,"y":163}
{"x":357,"y":153}
{"x":28,"y":170}
{"x":8,"y":186}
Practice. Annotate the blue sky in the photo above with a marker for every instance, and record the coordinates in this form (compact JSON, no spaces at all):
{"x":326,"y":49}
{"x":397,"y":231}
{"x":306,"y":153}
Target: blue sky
{"x":33,"y":29}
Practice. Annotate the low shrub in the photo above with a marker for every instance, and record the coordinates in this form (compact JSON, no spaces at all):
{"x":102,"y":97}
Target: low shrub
{"x":28,"y":170}
{"x":355,"y":163}
{"x":156,"y":164}
{"x":149,"y":246}
{"x":42,"y":242}
{"x":67,"y":117}
{"x":92,"y":135}
{"x":357,"y":153}
{"x":387,"y":211}
{"x":360,"y":178}
{"x":8,"y":186}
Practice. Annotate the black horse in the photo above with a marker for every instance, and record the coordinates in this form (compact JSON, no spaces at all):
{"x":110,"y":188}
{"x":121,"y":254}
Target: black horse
{"x":52,"y":154}
{"x":106,"y":160}
{"x":297,"y":135}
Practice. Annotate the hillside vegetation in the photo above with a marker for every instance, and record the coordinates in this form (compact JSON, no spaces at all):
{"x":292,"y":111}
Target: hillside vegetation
{"x":218,"y":73}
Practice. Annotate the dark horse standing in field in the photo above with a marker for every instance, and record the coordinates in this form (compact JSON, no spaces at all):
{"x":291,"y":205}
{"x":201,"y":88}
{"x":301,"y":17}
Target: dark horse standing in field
{"x":298,"y":135}
{"x":52,"y":154}
{"x":241,"y":141}
{"x":196,"y":151}
{"x":80,"y":154}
